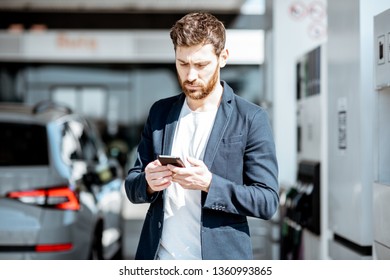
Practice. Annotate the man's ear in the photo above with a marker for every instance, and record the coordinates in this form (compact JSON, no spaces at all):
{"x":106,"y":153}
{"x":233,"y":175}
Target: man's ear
{"x":223,"y":57}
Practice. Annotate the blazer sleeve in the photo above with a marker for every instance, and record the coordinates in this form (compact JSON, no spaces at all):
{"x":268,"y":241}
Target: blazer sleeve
{"x":258,"y":195}
{"x":161,"y":113}
{"x":135,"y":182}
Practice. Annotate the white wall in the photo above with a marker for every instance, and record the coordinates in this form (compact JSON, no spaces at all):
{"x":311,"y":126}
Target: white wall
{"x":298,"y":27}
{"x":350,"y":52}
{"x":296,"y":30}
{"x":351,"y":83}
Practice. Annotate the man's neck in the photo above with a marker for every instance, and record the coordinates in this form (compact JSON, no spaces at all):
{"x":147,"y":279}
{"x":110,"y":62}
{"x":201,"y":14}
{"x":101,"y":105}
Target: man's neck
{"x":206,"y":104}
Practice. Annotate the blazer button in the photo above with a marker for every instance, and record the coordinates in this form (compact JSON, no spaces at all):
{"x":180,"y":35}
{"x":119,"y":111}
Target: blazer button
{"x":159,"y":224}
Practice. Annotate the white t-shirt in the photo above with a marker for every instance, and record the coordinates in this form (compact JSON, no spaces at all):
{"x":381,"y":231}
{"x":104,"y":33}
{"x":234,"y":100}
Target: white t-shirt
{"x":182,"y":208}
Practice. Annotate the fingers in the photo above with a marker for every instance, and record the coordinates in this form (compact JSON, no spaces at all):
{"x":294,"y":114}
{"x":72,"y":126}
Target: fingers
{"x":158,"y":177}
{"x":194,"y":161}
{"x":195,"y":177}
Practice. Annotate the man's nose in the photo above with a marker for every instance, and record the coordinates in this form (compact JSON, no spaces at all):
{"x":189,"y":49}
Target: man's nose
{"x":192,"y":74}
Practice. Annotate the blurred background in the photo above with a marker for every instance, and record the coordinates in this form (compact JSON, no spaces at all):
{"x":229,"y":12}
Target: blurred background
{"x":319,"y":67}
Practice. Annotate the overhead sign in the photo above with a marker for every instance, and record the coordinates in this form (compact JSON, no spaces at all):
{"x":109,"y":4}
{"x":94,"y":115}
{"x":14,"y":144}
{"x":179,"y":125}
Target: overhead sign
{"x":245,"y":46}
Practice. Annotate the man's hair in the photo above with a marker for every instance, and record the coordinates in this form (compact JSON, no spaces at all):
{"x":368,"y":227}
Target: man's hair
{"x":199,"y":28}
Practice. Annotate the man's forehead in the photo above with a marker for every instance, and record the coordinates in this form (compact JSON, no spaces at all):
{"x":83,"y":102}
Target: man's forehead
{"x":199,"y":52}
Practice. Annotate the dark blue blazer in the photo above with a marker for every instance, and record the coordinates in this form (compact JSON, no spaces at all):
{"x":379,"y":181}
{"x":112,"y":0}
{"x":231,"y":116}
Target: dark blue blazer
{"x":240,"y":154}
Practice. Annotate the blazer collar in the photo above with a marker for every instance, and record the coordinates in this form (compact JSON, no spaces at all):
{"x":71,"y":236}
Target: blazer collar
{"x":221,"y":121}
{"x":220,"y":124}
{"x":170,"y":126}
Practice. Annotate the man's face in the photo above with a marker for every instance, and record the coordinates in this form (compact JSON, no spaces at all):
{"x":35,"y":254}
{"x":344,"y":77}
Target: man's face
{"x":198,"y":69}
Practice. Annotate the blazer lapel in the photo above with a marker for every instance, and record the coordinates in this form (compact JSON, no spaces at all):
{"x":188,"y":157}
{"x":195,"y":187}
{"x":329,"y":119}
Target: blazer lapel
{"x":170,"y":126}
{"x":221,"y":121}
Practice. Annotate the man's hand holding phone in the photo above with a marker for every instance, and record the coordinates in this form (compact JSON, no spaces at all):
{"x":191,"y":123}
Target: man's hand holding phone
{"x":158,"y":176}
{"x":167,"y":169}
{"x":195,"y":177}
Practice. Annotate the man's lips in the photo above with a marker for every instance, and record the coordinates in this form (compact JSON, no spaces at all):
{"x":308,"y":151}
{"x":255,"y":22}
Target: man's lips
{"x":192,"y":86}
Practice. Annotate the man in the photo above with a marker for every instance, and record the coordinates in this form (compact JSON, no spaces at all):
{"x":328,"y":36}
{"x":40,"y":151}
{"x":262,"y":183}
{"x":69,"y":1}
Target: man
{"x":200,"y":211}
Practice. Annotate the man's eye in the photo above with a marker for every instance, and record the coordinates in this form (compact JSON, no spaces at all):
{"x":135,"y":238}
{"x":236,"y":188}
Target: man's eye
{"x":202,"y":65}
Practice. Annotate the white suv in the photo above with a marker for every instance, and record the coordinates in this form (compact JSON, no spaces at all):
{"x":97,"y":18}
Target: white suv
{"x":60,"y":195}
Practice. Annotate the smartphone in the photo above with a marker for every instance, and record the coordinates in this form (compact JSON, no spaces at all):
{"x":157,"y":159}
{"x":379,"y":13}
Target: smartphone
{"x":164,"y":160}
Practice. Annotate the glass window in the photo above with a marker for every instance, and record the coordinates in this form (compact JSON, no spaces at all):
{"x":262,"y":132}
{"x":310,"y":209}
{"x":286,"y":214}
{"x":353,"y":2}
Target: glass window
{"x":66,"y":96}
{"x":93,"y":100}
{"x":88,"y":101}
{"x":23,"y":145}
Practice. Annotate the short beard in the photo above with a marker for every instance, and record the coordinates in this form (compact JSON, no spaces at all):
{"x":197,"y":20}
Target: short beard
{"x":204,"y":90}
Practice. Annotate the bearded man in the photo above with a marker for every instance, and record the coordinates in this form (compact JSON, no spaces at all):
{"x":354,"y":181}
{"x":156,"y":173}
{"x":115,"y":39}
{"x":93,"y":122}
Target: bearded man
{"x":200,"y":211}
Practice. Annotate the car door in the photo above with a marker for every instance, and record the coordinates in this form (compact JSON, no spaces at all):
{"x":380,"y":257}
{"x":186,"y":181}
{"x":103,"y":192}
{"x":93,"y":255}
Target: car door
{"x":103,"y":180}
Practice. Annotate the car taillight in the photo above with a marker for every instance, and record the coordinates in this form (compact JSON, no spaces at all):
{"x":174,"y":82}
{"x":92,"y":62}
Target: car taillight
{"x":59,"y":198}
{"x":44,"y":248}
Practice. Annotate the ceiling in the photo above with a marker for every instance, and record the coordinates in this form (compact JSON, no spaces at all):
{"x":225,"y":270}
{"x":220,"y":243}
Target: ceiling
{"x":125,"y":5}
{"x":128,"y":14}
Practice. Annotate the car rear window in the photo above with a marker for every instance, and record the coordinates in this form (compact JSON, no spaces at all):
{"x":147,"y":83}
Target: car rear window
{"x":23,"y":145}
